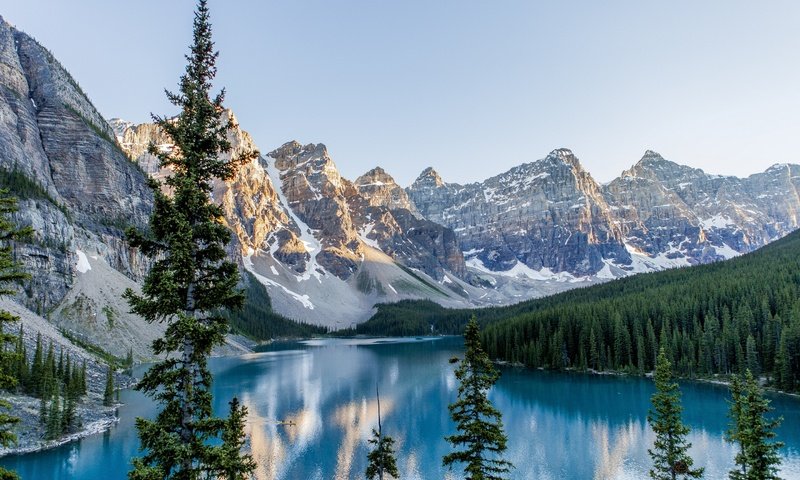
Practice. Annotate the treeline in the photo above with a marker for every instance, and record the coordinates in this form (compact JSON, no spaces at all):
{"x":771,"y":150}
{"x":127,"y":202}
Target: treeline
{"x":723,"y":318}
{"x":257,"y":320}
{"x":413,"y":317}
{"x":56,"y":380}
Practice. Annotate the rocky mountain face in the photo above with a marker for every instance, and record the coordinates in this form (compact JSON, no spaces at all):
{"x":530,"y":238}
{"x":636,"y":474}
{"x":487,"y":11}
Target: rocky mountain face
{"x":59,"y":156}
{"x":380,"y":190}
{"x":300,"y":226}
{"x":683,"y":215}
{"x":548,"y":215}
{"x":388,"y":220}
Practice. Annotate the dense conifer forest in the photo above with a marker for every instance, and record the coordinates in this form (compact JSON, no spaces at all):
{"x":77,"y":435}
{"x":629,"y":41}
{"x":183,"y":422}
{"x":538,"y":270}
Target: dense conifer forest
{"x":722,"y":318}
{"x":53,"y":378}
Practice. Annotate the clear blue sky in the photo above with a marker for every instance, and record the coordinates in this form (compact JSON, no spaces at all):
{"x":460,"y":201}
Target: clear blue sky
{"x":469,"y":87}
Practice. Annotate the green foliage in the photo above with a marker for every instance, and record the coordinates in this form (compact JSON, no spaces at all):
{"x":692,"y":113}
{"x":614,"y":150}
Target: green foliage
{"x":758,"y":457}
{"x":191,"y":280}
{"x":669,"y":453}
{"x":701,"y":315}
{"x":414,"y":317}
{"x":713,"y":319}
{"x":381,"y":457}
{"x":95,"y":350}
{"x":233,"y":463}
{"x":108,"y":393}
{"x":257,"y":320}
{"x":110,"y":314}
{"x":10,"y":273}
{"x":480,"y":439}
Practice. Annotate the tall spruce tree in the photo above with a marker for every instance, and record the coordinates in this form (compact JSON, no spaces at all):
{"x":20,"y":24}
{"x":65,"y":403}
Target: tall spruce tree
{"x":480,"y":439}
{"x":108,"y":393}
{"x":381,"y":457}
{"x":190,"y":281}
{"x":669,"y":453}
{"x":758,"y":457}
{"x":233,"y":464}
{"x":10,"y":273}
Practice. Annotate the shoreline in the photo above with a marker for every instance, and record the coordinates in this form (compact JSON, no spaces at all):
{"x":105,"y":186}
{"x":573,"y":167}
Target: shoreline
{"x":93,"y":428}
{"x":647,"y":375}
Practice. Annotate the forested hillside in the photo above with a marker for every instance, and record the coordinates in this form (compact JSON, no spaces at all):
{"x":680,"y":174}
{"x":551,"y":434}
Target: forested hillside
{"x":713,"y":319}
{"x":719,"y":318}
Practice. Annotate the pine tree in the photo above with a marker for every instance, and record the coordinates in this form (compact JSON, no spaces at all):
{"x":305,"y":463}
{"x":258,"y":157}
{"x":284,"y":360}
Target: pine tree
{"x":108,"y":393}
{"x":53,"y":427}
{"x":191,"y":282}
{"x":758,"y":457}
{"x":129,"y":360}
{"x":37,"y":369}
{"x":480,"y":434}
{"x":68,"y":416}
{"x":82,"y":379}
{"x":233,"y":463}
{"x":783,"y":367}
{"x":669,"y":453}
{"x":21,"y":370}
{"x":594,"y":354}
{"x":10,"y":273}
{"x":381,"y":457}
{"x":752,"y":356}
{"x":60,"y":367}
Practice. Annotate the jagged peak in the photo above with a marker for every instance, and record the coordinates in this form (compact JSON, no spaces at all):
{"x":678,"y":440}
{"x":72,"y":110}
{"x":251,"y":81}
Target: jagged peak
{"x":563,"y":156}
{"x":429,"y":176}
{"x":294,"y":147}
{"x":651,"y":158}
{"x":561,"y":153}
{"x":375,"y":177}
{"x":653,"y":165}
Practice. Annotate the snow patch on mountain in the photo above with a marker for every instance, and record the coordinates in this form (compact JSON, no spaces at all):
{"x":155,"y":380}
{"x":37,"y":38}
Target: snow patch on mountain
{"x":83,"y":265}
{"x":312,"y":244}
{"x":247,"y":261}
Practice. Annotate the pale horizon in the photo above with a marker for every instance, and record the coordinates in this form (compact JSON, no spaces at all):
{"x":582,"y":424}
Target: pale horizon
{"x":467,"y":88}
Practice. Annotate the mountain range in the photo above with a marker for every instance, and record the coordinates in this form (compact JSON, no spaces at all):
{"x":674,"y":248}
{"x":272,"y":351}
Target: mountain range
{"x":328,"y":249}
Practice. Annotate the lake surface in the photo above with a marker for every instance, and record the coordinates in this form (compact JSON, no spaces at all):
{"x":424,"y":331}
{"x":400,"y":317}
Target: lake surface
{"x":560,"y":425}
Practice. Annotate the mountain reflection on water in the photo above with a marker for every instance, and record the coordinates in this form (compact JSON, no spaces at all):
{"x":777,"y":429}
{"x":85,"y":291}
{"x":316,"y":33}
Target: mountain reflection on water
{"x":312,"y":407}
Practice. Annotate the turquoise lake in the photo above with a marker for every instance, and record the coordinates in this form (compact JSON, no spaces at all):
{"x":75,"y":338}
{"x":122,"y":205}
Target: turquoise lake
{"x":560,"y":425}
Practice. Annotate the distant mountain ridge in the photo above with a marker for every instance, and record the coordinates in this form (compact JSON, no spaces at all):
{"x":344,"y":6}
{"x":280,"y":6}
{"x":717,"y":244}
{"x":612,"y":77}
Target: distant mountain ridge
{"x":551,"y":216}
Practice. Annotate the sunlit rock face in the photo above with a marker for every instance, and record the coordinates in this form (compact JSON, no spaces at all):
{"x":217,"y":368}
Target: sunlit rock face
{"x":299,"y":225}
{"x":379,"y":189}
{"x":316,"y":192}
{"x":252,"y":206}
{"x":386,"y":218}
